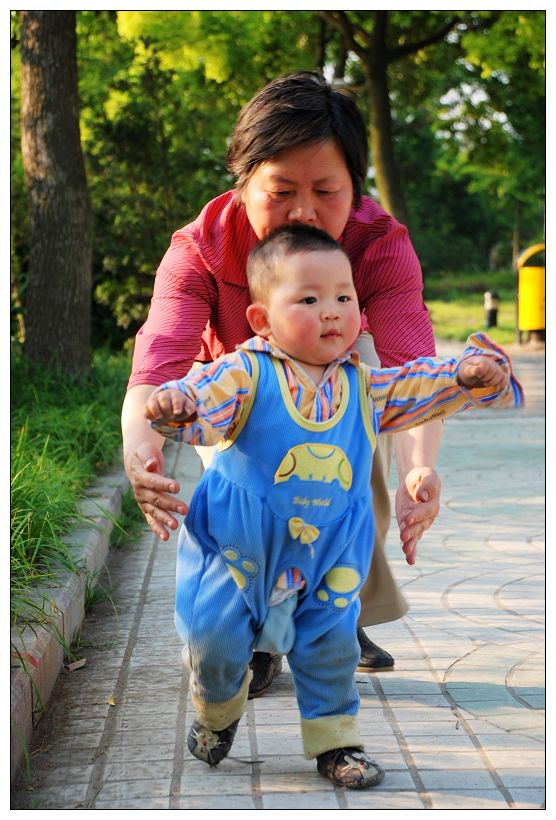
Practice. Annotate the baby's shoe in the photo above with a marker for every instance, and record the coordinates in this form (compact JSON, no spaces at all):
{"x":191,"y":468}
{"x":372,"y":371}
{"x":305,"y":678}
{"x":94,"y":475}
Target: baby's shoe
{"x":210,"y":745}
{"x":350,"y":768}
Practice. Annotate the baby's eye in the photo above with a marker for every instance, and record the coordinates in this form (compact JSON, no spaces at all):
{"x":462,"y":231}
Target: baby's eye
{"x":309,"y":300}
{"x":344,"y":298}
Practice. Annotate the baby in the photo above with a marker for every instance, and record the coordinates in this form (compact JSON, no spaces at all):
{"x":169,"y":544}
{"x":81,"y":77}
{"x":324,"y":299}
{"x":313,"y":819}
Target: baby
{"x":278,"y":538}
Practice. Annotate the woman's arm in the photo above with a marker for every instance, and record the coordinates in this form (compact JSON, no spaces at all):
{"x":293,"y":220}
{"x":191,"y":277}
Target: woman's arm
{"x":144,"y":465}
{"x":165,"y":348}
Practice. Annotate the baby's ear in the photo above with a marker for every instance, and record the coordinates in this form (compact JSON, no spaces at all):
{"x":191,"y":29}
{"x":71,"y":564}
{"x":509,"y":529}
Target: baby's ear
{"x":257,"y":316}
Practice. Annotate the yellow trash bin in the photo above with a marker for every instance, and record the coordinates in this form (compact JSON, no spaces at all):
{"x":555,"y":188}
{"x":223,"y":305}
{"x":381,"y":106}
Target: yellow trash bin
{"x":530,"y":292}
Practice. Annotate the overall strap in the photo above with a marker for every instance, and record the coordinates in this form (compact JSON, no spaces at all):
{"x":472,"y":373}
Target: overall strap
{"x":365,"y":408}
{"x":248,"y":406}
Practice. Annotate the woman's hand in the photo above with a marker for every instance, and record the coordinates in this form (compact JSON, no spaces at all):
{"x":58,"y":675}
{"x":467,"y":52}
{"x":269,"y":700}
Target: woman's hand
{"x":144,"y":465}
{"x":145,"y":470}
{"x":417,"y":505}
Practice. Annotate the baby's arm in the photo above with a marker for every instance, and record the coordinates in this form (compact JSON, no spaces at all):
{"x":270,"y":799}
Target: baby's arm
{"x":204,"y":406}
{"x":170,"y":404}
{"x":434,"y":388}
{"x":482,"y":371}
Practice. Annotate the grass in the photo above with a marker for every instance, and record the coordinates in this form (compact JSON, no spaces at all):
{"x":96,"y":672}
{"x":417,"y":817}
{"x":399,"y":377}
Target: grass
{"x":458,"y":319}
{"x":63,"y":432}
{"x":455,"y":302}
{"x":42,"y":507}
{"x":450,"y":287}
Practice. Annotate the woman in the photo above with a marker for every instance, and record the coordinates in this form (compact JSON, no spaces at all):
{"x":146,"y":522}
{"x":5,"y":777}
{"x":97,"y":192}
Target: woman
{"x":299,"y":153}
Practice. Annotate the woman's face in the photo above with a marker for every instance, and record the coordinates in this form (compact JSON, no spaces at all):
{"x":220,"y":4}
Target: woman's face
{"x":308,"y":183}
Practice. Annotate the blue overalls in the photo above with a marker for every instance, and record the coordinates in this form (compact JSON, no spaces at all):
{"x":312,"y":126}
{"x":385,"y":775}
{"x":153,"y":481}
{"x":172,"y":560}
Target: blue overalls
{"x":284,"y":492}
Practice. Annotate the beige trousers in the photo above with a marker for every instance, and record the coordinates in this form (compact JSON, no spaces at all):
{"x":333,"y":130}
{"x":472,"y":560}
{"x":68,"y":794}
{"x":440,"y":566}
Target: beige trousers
{"x":381,"y":600}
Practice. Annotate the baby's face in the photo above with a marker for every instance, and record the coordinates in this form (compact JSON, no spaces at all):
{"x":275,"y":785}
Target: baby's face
{"x":313,"y":311}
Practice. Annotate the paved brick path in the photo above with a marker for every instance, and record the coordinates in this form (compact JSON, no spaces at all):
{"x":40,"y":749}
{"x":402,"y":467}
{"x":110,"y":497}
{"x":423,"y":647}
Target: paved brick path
{"x":458,"y":724}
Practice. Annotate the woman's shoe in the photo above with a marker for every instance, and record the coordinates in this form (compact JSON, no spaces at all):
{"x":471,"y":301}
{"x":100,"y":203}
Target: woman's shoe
{"x":350,"y":768}
{"x":264,"y":667}
{"x":209,"y":745}
{"x":373,"y":658}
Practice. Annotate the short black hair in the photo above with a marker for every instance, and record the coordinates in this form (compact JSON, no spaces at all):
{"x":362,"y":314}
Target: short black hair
{"x":283,"y":241}
{"x":298,"y":109}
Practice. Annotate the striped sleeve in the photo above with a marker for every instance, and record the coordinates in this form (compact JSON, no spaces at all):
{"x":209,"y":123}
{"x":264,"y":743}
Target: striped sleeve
{"x":427,"y":389}
{"x":219,"y":390}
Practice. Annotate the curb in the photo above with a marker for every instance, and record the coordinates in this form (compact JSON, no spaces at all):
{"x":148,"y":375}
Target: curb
{"x":37,"y":655}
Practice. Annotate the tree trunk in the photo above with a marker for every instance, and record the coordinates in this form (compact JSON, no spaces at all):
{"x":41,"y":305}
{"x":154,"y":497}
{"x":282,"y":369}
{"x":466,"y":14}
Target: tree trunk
{"x":381,"y":143}
{"x":321,"y":45}
{"x":58,"y":302}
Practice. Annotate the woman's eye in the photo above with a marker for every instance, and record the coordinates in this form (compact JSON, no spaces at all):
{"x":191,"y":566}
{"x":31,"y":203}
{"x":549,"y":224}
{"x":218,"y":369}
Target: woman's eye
{"x":279,"y":194}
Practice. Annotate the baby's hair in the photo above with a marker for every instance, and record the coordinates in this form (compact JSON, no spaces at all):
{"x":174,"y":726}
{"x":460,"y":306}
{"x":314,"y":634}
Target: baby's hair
{"x":263,"y":261}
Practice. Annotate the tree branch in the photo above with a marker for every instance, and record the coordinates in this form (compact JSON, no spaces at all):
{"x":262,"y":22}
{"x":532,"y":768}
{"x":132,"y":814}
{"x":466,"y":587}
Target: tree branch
{"x":341,"y":22}
{"x":481,"y":24}
{"x":394,"y":54}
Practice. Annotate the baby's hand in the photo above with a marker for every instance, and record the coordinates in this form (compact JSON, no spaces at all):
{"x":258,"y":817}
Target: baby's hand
{"x":482,"y":371}
{"x":169,"y":405}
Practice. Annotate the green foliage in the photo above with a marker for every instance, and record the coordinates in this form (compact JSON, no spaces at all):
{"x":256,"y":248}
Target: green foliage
{"x":468,"y":129}
{"x":514,"y":37}
{"x":160,"y":91}
{"x":450,"y":226}
{"x":491,"y":125}
{"x":254,"y":45}
{"x":62,"y":433}
{"x":496,"y":114}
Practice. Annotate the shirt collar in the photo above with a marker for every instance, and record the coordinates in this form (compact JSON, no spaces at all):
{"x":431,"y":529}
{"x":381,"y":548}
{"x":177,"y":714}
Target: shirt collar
{"x":260,"y":345}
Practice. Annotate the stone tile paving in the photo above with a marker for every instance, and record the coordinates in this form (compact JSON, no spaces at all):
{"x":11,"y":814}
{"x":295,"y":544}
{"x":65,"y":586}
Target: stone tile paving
{"x":458,"y":724}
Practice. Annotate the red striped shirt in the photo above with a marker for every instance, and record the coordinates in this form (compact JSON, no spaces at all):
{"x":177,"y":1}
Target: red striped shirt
{"x":201,"y":293}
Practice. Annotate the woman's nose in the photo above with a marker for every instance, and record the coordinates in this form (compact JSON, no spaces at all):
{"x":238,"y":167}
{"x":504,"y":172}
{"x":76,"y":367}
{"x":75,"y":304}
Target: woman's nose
{"x":302,"y":211}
